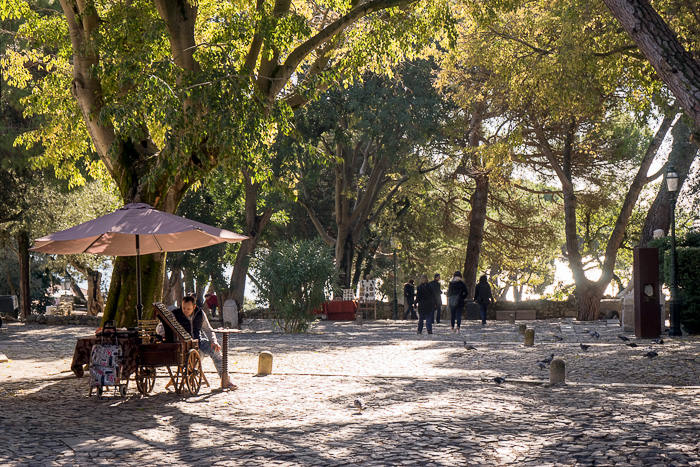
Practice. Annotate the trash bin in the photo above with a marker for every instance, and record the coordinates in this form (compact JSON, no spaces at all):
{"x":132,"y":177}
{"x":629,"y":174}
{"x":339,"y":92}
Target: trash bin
{"x":9,"y":305}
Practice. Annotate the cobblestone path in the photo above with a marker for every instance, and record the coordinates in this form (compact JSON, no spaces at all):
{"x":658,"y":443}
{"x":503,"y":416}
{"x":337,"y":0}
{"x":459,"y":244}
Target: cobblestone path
{"x":429,"y":401}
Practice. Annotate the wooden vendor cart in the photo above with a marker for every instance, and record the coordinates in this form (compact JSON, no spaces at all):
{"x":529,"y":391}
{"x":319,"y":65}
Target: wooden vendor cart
{"x":178,"y":351}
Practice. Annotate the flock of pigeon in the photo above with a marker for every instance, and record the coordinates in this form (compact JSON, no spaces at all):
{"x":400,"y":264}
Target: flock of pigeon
{"x":544,"y":363}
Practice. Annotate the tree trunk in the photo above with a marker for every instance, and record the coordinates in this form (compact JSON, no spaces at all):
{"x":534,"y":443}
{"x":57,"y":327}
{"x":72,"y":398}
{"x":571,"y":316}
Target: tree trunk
{"x":255,"y":224}
{"x":477,"y":221}
{"x":345,"y":269}
{"x":588,"y":295}
{"x":173,"y":292}
{"x":683,"y":153}
{"x":23,"y":253}
{"x":95,"y":299}
{"x":122,"y":299}
{"x":674,"y":65}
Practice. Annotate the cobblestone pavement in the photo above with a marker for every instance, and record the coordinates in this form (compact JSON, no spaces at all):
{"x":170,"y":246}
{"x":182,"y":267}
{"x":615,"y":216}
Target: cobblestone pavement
{"x":429,"y":401}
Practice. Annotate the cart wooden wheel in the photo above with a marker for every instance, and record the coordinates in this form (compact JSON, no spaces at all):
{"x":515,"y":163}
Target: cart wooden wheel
{"x":193,"y":374}
{"x":145,"y":379}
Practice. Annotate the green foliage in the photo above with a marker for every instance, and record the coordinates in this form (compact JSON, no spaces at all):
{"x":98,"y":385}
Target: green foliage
{"x":293,"y":278}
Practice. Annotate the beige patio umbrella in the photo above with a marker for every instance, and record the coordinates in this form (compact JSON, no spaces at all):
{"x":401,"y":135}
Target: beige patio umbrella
{"x":134,"y":230}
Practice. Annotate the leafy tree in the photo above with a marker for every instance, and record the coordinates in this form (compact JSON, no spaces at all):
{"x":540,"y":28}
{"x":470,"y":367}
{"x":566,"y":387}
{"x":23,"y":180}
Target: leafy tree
{"x":293,"y":278}
{"x":166,"y":91}
{"x":371,"y":138}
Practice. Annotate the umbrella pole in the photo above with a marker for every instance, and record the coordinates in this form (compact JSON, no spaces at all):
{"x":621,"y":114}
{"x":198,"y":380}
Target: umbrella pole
{"x":139,"y":305}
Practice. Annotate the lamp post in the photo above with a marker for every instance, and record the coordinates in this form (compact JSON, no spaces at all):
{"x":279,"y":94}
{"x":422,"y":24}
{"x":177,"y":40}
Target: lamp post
{"x":396,"y":300}
{"x":676,"y":303}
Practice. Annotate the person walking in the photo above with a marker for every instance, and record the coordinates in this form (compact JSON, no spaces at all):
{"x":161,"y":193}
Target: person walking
{"x":482,"y":296}
{"x":457,"y":291}
{"x":409,"y":299}
{"x":426,"y":305}
{"x":437,"y":291}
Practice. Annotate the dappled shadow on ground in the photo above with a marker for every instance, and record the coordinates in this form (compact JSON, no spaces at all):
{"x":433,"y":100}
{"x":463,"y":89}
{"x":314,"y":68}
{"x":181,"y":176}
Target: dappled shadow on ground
{"x":311,"y":421}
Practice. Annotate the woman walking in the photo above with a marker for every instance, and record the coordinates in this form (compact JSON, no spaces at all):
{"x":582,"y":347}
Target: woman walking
{"x":426,"y":305}
{"x":456,"y":293}
{"x":482,"y":296}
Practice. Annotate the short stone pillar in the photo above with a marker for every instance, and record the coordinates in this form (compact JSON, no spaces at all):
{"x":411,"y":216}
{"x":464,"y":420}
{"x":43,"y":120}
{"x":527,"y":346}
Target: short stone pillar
{"x":557,"y":371}
{"x":358,"y":318}
{"x":229,"y":314}
{"x":265,"y":363}
{"x":521,"y":329}
{"x":511,"y":318}
{"x":529,"y":337}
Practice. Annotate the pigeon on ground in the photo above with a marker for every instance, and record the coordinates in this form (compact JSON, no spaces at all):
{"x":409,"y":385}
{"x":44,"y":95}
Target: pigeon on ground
{"x":594,"y":334}
{"x":499,"y":379}
{"x":469,"y":347}
{"x":651,"y":354}
{"x":542,"y":366}
{"x":658,"y":341}
{"x":584,"y":347}
{"x":548,"y":360}
{"x":557,"y":337}
{"x":359,"y":404}
{"x":631,"y":344}
{"x":623,"y":338}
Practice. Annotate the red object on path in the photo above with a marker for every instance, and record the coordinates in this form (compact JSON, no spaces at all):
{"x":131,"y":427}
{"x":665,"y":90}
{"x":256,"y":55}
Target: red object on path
{"x":340,"y":310}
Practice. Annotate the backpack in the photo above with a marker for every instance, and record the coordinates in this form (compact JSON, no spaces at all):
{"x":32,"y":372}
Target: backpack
{"x":453,"y":301}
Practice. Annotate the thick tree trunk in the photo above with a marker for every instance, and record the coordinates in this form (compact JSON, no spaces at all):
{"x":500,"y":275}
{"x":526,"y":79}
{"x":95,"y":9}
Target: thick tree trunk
{"x":23,"y":253}
{"x":477,"y":220}
{"x":674,"y":65}
{"x":121,"y":299}
{"x":588,"y":295}
{"x":683,"y":153}
{"x":173,"y":291}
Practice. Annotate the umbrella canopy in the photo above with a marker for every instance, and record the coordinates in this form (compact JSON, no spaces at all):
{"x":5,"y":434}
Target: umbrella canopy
{"x":114,"y":234}
{"x":134,"y":230}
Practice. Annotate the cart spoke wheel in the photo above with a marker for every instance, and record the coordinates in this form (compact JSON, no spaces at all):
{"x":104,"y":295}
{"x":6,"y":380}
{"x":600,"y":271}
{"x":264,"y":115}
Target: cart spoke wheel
{"x":145,"y":379}
{"x":193,"y":373}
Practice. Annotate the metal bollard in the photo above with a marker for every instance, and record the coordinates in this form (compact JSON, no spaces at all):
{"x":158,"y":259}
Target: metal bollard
{"x":358,"y":318}
{"x":557,"y":371}
{"x":511,"y":318}
{"x":265,"y":363}
{"x":521,"y":329}
{"x":529,"y":337}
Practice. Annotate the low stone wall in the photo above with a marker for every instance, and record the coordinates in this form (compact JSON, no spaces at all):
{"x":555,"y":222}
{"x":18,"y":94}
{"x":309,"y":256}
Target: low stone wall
{"x":65,"y":320}
{"x":545,"y":309}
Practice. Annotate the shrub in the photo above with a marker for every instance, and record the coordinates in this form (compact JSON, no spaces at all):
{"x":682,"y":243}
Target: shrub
{"x":293,"y":278}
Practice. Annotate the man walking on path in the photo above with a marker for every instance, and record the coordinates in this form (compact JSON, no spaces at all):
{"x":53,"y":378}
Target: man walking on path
{"x":437,"y":291}
{"x":409,"y":296}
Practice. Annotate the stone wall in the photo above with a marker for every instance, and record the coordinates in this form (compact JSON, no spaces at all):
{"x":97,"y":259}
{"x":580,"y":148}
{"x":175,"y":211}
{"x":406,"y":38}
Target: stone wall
{"x":72,"y":320}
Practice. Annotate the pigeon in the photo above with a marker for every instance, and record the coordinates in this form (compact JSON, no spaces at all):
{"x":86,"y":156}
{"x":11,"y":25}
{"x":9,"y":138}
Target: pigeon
{"x":584,"y":347}
{"x":469,"y":347}
{"x":651,"y":354}
{"x":594,"y":334}
{"x":542,"y":366}
{"x":359,"y":404}
{"x":623,"y":338}
{"x":499,"y":379}
{"x":631,"y":344}
{"x":547,"y":360}
{"x":658,"y":341}
{"x":557,"y":337}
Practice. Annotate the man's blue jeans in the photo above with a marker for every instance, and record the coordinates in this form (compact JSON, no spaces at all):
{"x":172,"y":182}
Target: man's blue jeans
{"x":206,"y":349}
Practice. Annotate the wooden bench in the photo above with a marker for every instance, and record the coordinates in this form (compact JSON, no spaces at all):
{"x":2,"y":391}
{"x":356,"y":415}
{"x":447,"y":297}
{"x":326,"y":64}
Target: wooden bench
{"x":503,"y":315}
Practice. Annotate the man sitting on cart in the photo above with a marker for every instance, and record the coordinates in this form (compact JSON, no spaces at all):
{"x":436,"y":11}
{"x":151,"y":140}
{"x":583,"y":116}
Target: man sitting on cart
{"x":195,"y":321}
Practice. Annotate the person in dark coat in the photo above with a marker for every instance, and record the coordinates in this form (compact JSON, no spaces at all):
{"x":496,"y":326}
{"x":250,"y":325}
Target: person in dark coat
{"x":482,"y":296}
{"x":437,"y":291}
{"x":426,"y":305}
{"x":457,"y":291}
{"x":409,"y":299}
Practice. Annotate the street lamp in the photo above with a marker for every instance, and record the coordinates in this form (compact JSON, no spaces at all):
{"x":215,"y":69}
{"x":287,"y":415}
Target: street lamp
{"x":65,"y":282}
{"x":676,"y":303}
{"x":393,"y":242}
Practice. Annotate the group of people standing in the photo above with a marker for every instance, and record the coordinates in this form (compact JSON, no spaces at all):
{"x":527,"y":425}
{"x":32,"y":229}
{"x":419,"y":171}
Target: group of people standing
{"x":428,"y":297}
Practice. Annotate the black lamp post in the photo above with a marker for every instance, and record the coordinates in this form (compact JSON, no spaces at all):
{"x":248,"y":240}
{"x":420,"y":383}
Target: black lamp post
{"x":676,"y":303}
{"x":396,"y":300}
